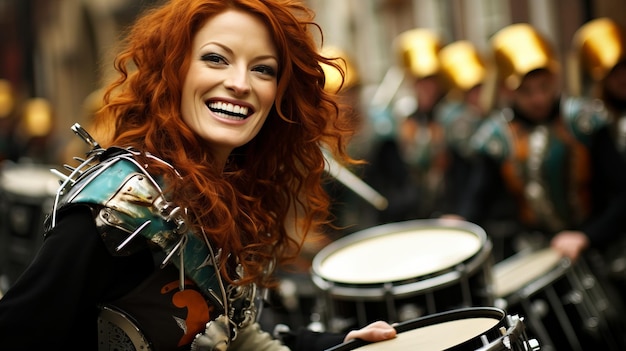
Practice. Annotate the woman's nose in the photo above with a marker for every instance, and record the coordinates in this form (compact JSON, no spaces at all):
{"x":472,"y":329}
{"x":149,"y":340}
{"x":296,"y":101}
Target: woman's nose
{"x":238,"y":81}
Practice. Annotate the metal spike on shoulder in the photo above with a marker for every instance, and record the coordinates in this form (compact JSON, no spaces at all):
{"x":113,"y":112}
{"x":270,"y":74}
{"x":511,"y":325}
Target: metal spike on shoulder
{"x":81,"y":132}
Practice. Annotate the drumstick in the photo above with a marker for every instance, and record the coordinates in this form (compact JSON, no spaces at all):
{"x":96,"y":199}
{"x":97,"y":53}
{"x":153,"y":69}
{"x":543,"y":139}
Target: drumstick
{"x":354,"y":183}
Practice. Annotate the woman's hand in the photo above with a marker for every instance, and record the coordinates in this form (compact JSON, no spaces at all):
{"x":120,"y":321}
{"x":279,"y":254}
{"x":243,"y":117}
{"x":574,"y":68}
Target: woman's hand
{"x":452,"y":216}
{"x":377,"y":331}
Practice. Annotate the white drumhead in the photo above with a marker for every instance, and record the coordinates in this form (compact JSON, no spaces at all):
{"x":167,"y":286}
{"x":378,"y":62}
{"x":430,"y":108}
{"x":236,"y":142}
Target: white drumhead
{"x":435,"y":337}
{"x":29,"y":180}
{"x":400,"y":255}
{"x":517,"y":271}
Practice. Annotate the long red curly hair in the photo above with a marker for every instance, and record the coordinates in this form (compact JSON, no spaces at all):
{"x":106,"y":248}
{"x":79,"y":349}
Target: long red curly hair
{"x":243,"y":208}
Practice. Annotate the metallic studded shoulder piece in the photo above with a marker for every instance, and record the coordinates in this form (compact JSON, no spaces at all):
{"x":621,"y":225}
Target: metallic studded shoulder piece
{"x":129,"y":200}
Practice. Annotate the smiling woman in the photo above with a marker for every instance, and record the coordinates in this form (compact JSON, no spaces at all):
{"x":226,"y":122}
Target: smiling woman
{"x":211,"y":177}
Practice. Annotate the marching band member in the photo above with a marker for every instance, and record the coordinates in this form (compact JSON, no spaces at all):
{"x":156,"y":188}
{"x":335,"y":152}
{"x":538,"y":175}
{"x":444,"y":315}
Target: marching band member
{"x":598,"y":56}
{"x":464,"y":71}
{"x":598,"y":71}
{"x":420,"y":135}
{"x":553,"y":155}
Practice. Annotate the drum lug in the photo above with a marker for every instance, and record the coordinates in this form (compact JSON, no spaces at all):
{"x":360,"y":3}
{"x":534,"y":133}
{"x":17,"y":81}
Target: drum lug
{"x":501,"y":303}
{"x":592,"y":323}
{"x":575,"y":297}
{"x":588,"y":282}
{"x":540,"y":308}
{"x":409,"y":311}
{"x":533,"y":345}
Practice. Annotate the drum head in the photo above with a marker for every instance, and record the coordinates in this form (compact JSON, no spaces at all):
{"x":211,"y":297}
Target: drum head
{"x":398,"y":251}
{"x":518,"y":271}
{"x":35,"y":181}
{"x":452,"y":330}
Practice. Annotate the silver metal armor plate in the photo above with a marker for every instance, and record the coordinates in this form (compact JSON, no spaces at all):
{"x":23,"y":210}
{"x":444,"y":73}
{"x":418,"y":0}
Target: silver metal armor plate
{"x":117,"y":332}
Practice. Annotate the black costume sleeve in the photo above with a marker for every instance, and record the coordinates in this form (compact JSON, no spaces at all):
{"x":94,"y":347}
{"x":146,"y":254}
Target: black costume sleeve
{"x":53,"y":304}
{"x":608,"y":191}
{"x":307,"y":340}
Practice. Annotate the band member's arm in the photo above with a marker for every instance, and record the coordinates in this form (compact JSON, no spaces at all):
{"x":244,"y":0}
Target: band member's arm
{"x":307,"y":340}
{"x":609,"y":191}
{"x":252,"y":338}
{"x":476,"y":197}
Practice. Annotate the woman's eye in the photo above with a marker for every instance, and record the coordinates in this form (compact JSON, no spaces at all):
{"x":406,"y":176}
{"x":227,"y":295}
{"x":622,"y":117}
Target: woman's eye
{"x":213,"y":58}
{"x":268,"y":70}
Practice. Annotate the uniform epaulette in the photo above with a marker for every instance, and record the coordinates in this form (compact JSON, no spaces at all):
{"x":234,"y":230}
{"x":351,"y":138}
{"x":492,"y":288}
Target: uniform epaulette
{"x":583,"y":116}
{"x":492,"y":137}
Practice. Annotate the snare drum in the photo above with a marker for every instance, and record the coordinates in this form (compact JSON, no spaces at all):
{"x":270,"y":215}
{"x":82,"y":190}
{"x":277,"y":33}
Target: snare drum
{"x":477,"y":328}
{"x":401,"y":271}
{"x":566,"y":306}
{"x":26,"y":197}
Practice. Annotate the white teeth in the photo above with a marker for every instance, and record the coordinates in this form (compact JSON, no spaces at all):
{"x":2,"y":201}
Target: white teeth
{"x":228,"y":107}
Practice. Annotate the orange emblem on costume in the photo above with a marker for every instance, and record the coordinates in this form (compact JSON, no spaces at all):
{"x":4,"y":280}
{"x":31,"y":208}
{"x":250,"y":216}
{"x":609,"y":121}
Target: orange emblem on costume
{"x":198,"y":311}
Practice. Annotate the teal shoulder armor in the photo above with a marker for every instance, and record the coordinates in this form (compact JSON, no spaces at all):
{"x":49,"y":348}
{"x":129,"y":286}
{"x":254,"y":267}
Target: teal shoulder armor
{"x":128,"y":199}
{"x":492,"y":137}
{"x":583,"y":116}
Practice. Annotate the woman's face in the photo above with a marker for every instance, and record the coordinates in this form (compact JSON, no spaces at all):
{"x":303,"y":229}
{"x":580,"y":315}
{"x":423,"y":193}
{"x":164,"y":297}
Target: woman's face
{"x":231,"y":84}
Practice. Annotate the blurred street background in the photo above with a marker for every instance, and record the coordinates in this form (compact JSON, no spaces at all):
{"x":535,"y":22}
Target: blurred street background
{"x":61,"y":51}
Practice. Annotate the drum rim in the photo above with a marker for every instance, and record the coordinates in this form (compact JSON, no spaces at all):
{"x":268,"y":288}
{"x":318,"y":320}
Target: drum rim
{"x":438,"y":318}
{"x":407,"y":286}
{"x":533,"y":286}
{"x":441,"y":317}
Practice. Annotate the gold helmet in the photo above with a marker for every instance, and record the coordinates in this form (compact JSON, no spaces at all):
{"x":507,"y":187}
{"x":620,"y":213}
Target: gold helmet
{"x":333,"y":76}
{"x":417,"y":51}
{"x":462,"y":67}
{"x":600,"y":45}
{"x":37,"y":118}
{"x":7,"y":98}
{"x":519,"y":49}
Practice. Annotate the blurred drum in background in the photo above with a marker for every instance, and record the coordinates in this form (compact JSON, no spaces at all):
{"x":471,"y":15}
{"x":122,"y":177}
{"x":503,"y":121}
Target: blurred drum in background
{"x":476,"y":328}
{"x":567,"y":307}
{"x":26,"y":196}
{"x":401,"y":271}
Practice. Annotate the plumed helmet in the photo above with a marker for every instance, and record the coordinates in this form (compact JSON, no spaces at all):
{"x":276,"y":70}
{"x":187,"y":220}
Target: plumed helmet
{"x":333,"y":76}
{"x":462,"y":67}
{"x":600,"y":45}
{"x":519,"y":49}
{"x":417,"y":52}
